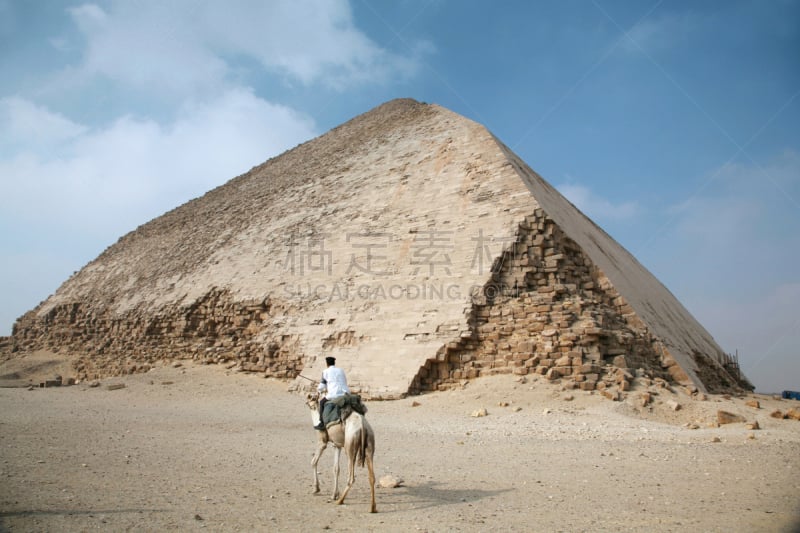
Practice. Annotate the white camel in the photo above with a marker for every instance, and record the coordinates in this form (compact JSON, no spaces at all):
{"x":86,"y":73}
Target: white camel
{"x":358,"y":440}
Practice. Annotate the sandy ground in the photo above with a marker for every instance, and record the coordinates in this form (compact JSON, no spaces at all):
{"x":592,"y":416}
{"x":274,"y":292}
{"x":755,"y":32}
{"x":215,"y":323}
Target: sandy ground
{"x":194,"y":448}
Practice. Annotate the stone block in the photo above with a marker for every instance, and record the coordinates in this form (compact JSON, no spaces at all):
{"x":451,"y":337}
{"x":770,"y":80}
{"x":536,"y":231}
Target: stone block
{"x":611,"y":394}
{"x":690,"y":389}
{"x":525,"y":347}
{"x":590,"y":368}
{"x":620,"y":361}
{"x":564,"y":370}
{"x":644,"y":399}
{"x":533,"y":361}
{"x":565,"y":361}
{"x":726,"y":417}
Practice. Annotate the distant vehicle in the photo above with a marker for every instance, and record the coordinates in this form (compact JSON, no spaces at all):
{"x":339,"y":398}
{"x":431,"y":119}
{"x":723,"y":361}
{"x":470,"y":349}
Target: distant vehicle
{"x":790,"y":395}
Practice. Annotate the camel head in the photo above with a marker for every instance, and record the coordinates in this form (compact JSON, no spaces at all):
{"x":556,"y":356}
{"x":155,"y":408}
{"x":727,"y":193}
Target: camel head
{"x":312,"y":401}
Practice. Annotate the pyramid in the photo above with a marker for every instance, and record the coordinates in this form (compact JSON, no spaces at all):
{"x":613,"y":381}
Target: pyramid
{"x":409,"y":243}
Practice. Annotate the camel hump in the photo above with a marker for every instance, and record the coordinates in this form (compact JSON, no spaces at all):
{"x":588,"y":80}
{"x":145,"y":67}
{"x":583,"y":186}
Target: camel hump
{"x":354,"y":401}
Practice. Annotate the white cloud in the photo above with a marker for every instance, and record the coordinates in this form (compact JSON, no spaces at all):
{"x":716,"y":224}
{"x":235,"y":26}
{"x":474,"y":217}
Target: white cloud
{"x":148,"y":46}
{"x":185,"y":46}
{"x":24,"y":124}
{"x":595,"y":206}
{"x":108,"y":180}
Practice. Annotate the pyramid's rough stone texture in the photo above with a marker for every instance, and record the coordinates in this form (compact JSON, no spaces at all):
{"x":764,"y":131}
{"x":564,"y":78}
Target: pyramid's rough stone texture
{"x":409,"y":243}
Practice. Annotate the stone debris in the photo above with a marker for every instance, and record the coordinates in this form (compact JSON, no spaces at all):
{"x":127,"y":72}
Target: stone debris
{"x":752,"y":425}
{"x":755,"y":404}
{"x":480,"y":413}
{"x":115,"y":386}
{"x":57,"y":381}
{"x":791,"y":413}
{"x":50,"y":383}
{"x":389,"y":482}
{"x":611,"y":394}
{"x":672,"y":404}
{"x":644,"y":399}
{"x":725,"y":417}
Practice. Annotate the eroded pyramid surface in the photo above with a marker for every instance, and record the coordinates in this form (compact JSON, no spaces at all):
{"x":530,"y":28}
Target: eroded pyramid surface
{"x":409,"y":243}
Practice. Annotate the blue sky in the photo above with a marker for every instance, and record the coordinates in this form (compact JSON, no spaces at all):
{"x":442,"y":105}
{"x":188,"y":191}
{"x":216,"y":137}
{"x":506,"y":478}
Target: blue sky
{"x":674,"y":125}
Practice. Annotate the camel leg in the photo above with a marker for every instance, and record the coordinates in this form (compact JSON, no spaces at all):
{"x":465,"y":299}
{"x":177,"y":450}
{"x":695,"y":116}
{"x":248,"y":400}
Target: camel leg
{"x":351,"y":475}
{"x":337,"y":452}
{"x":320,"y":448}
{"x":374,"y":508}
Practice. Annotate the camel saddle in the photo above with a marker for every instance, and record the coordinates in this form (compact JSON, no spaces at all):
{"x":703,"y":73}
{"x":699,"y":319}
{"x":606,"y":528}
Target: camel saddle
{"x":336,"y":411}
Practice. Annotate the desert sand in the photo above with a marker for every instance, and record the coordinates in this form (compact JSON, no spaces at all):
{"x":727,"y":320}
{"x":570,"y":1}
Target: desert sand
{"x":195,"y":448}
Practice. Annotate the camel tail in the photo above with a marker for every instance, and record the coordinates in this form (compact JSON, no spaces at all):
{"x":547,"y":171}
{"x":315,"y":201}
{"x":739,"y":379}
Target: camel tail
{"x":362,"y":448}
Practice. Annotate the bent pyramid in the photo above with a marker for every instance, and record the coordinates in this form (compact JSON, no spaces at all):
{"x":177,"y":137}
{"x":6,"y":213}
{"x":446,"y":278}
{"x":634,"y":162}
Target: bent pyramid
{"x":409,"y":243}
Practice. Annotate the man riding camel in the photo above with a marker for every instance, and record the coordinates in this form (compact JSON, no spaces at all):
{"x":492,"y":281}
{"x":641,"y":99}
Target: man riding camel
{"x":334,"y":383}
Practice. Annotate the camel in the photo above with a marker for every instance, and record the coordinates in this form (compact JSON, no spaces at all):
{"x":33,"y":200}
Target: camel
{"x":355,"y":435}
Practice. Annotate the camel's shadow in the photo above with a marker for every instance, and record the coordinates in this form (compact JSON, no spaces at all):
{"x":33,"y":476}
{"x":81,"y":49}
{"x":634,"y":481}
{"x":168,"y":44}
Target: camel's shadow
{"x":423,"y":496}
